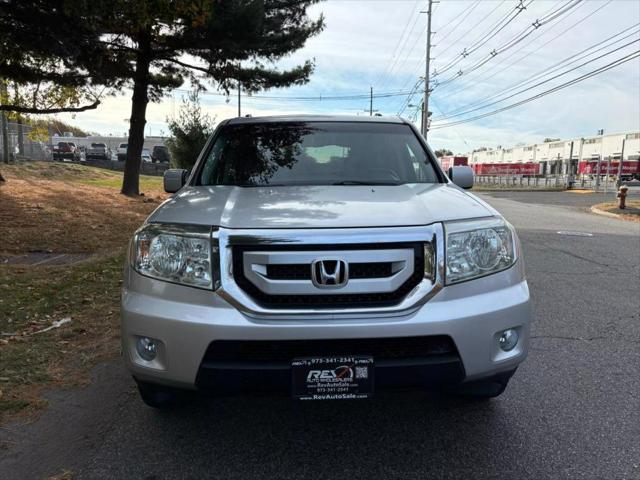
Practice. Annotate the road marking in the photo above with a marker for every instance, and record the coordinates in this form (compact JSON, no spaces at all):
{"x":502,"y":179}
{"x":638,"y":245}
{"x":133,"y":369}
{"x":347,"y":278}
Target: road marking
{"x":574,"y":234}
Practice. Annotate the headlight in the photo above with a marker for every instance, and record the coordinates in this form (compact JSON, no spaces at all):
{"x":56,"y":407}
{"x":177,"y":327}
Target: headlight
{"x":478,"y":248}
{"x":177,"y":253}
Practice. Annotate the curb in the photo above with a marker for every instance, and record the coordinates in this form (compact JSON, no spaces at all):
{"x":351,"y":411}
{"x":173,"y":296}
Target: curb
{"x":597,"y":211}
{"x":518,"y":190}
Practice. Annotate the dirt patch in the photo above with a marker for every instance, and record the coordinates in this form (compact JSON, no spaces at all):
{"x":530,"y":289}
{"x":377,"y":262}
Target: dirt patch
{"x":63,"y":242}
{"x":630,"y":213}
{"x":64,"y":215}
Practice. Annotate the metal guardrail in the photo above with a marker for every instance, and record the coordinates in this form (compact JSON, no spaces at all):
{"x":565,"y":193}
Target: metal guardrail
{"x":601,"y":183}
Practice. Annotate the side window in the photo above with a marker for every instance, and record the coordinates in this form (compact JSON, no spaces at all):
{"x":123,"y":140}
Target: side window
{"x":210,"y":164}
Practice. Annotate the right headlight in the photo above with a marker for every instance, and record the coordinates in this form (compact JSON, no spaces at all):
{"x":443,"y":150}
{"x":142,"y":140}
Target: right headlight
{"x":183,"y":254}
{"x":477,"y":248}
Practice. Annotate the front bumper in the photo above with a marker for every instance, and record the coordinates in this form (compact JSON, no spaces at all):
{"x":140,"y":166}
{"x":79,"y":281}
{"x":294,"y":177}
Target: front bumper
{"x":187,"y":320}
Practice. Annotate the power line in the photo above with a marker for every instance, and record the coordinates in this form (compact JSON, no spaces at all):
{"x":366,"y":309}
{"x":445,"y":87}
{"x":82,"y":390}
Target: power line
{"x":541,"y":83}
{"x":586,"y":76}
{"x":319,"y":97}
{"x":410,"y":96}
{"x":466,"y":33}
{"x":555,"y":67}
{"x":408,"y":54}
{"x":395,"y":49}
{"x":528,"y":55}
{"x":462,"y":17}
{"x":421,"y":63}
{"x":493,"y":31}
{"x":513,"y":42}
{"x":457,"y":132}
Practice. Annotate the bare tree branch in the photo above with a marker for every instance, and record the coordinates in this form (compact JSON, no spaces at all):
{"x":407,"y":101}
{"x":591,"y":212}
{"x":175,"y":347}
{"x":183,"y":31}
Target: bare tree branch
{"x":20,"y":109}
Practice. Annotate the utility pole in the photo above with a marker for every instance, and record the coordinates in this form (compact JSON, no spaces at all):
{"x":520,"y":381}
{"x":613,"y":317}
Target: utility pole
{"x":425,"y":108}
{"x":371,"y":101}
{"x":620,"y":165}
{"x":239,"y":91}
{"x":570,"y":168}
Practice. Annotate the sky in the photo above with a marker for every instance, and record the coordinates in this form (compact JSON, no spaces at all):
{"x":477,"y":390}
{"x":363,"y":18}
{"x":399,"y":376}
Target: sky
{"x":381,"y":44}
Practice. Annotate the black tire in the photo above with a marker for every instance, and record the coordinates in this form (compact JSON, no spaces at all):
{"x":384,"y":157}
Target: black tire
{"x":485,"y":389}
{"x":161,"y":397}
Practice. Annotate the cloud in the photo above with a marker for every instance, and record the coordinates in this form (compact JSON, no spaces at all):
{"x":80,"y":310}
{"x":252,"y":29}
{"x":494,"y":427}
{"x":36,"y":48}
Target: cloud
{"x":381,"y":44}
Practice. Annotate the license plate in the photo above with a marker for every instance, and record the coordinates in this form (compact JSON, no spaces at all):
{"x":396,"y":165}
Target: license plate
{"x":332,"y":378}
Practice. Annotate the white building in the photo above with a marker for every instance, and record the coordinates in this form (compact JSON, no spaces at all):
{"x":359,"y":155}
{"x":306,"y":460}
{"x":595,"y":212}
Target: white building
{"x":553,"y":157}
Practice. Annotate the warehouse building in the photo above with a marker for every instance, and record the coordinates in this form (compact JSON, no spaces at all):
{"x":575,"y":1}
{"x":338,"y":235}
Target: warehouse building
{"x":581,"y":155}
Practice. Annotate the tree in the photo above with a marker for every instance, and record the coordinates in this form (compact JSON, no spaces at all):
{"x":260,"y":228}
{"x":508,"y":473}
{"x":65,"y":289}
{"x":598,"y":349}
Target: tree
{"x":442,"y":152}
{"x":155,"y":46}
{"x":51,"y":56}
{"x":549,"y":140}
{"x":189,"y":132}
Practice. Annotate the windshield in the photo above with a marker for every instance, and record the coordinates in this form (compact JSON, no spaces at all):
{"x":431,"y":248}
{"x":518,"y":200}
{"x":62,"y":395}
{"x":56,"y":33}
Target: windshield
{"x":317,"y":153}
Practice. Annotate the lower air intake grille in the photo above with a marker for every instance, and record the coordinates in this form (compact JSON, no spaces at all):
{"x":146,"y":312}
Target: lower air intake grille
{"x":286,"y":350}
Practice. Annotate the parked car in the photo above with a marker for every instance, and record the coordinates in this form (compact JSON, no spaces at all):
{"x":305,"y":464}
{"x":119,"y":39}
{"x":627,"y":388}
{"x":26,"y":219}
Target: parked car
{"x":66,"y":151}
{"x":160,"y":154}
{"x":324,"y":257}
{"x":146,"y":155}
{"x":99,"y":151}
{"x":122,"y":152}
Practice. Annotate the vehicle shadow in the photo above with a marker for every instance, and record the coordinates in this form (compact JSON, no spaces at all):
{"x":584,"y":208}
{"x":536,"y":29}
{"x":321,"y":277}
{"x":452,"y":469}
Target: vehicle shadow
{"x":397,"y":434}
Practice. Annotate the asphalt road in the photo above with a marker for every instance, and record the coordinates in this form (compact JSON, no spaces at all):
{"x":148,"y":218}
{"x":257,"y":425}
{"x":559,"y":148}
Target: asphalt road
{"x":571,"y":411}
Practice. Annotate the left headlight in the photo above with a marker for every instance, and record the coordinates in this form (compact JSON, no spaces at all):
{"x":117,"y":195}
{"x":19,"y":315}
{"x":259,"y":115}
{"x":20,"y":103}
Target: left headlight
{"x":176,"y":253}
{"x":477,"y":248}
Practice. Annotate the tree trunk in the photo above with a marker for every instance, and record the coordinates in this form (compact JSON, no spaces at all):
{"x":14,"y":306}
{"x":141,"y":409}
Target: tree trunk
{"x":139,"y":101}
{"x":4,"y":132}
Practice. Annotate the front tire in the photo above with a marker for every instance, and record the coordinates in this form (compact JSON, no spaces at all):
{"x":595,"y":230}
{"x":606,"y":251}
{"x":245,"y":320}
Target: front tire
{"x":161,"y":397}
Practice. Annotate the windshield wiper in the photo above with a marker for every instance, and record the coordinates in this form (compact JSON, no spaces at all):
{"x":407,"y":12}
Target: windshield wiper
{"x":359,"y":182}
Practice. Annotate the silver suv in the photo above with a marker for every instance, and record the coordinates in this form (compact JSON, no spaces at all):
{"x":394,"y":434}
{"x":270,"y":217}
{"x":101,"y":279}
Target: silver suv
{"x":326,"y":258}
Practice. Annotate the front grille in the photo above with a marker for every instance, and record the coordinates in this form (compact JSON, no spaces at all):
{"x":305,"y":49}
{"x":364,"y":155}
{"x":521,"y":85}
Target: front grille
{"x":329,"y":300}
{"x":395,"y":348}
{"x":302,"y":271}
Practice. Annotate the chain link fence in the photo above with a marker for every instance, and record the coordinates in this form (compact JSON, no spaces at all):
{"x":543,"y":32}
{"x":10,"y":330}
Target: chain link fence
{"x":22,"y":145}
{"x":600,"y":183}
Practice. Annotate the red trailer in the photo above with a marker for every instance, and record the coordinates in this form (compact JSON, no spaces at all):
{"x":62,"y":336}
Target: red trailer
{"x":590,"y":167}
{"x":506,"y":168}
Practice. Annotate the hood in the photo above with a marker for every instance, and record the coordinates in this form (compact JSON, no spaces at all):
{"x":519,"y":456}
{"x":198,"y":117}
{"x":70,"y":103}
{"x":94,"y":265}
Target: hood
{"x":339,"y":206}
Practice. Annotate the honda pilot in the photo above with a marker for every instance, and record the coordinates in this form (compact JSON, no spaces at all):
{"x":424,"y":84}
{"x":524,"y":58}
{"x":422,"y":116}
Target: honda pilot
{"x":324,"y":258}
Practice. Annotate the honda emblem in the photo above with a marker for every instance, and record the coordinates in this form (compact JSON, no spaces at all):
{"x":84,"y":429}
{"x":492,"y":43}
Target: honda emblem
{"x":329,"y":273}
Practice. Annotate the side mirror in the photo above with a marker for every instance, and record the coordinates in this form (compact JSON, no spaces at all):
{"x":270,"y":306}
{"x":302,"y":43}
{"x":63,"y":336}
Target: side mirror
{"x":462,"y":176}
{"x":174,"y":179}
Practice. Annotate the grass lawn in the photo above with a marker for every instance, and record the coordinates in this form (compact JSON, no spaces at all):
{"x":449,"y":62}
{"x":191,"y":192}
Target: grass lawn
{"x":61,"y":208}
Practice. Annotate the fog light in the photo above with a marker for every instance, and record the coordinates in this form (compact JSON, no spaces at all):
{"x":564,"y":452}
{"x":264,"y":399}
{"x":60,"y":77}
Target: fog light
{"x":508,"y":340}
{"x":146,"y":348}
